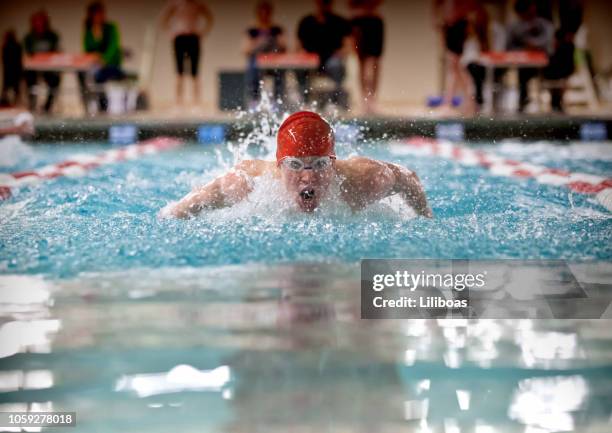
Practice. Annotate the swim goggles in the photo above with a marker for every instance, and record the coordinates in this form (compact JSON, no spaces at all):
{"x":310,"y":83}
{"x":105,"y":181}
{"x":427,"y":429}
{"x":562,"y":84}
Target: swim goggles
{"x":317,"y":164}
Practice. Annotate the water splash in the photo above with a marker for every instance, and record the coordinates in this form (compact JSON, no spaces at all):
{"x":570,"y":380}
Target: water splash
{"x":264,"y":119}
{"x":13,"y":151}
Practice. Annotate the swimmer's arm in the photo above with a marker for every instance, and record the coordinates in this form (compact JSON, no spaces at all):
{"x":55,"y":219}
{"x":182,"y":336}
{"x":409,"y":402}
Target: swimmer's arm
{"x":224,"y":191}
{"x":408,"y":185}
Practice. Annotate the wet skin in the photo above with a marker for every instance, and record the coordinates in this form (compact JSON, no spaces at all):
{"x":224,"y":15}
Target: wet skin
{"x":361,"y":181}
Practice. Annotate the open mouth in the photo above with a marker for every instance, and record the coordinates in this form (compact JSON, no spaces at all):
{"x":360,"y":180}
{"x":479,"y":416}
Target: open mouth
{"x":307,"y":194}
{"x":308,"y":199}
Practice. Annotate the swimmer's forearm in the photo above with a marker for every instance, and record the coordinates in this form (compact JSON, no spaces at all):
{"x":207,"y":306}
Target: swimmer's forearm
{"x":195,"y":202}
{"x":221,"y":192}
{"x":407,"y":183}
{"x":415,"y":197}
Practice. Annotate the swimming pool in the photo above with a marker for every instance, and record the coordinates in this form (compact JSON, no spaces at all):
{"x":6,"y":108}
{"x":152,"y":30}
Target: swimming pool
{"x":247,"y":319}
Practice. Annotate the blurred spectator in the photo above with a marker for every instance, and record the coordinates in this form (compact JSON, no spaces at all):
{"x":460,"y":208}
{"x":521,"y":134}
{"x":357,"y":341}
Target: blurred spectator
{"x":102,"y":37}
{"x":264,"y":37}
{"x":187,"y":21}
{"x":561,"y":62}
{"x":368,"y":32}
{"x":570,"y":15}
{"x":11,"y":69}
{"x":529,"y":32}
{"x":560,"y":66}
{"x":41,"y":39}
{"x":325,"y":34}
{"x":453,"y":19}
{"x":477,"y":41}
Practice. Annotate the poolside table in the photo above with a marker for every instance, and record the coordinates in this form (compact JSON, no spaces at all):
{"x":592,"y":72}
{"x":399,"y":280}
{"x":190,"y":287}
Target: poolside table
{"x":506,"y":59}
{"x":288,"y":61}
{"x":61,"y":62}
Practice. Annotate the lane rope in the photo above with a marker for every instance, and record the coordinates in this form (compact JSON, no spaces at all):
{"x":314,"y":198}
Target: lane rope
{"x":79,"y":165}
{"x":599,"y":186}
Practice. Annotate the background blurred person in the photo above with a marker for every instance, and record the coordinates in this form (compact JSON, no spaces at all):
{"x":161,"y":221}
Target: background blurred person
{"x":12,"y":69}
{"x":560,"y":66}
{"x":102,"y":37}
{"x":529,"y":32}
{"x":41,"y":39}
{"x":453,"y":18}
{"x":369,"y":34}
{"x":561,"y":62}
{"x":188,"y":21}
{"x":264,"y":37}
{"x":325,"y":34}
{"x":477,"y":41}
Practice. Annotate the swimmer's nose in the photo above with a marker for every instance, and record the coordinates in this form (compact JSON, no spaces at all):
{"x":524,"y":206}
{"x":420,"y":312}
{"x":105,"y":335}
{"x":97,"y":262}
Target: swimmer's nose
{"x":307,"y":174}
{"x":307,"y":193}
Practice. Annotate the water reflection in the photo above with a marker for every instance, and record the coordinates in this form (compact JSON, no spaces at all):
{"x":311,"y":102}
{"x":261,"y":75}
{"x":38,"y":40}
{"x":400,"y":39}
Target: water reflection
{"x":549,"y":403}
{"x":179,"y":379}
{"x":253,"y":348}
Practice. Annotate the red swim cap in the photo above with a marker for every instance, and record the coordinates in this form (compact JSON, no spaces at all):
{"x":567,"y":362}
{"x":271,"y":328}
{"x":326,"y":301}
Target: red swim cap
{"x":304,"y":134}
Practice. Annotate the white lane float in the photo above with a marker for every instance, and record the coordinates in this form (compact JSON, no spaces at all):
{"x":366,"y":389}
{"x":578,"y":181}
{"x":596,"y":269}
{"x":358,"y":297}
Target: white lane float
{"x":599,"y":186}
{"x":78,"y":165}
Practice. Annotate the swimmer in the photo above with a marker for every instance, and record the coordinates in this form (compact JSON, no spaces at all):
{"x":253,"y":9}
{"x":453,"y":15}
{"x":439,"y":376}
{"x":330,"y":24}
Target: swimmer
{"x":307,"y":167}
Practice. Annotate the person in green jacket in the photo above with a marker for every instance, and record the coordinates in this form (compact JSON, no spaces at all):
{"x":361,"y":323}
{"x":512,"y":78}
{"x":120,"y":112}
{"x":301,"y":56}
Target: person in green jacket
{"x":102,"y":37}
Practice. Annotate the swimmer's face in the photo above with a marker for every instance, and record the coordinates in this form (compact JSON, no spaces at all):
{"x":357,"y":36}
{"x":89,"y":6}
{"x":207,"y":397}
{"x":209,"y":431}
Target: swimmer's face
{"x":307,"y":185}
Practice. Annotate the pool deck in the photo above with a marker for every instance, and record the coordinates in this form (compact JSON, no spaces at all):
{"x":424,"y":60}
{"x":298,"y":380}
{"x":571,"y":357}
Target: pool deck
{"x":531,"y":128}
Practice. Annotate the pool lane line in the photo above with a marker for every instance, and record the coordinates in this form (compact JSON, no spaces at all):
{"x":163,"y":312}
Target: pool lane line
{"x":78,"y":165}
{"x":583,"y":183}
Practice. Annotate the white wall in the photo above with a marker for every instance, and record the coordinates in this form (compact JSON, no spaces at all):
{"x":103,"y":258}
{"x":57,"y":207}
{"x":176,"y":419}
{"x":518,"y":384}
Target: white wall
{"x":409,"y":68}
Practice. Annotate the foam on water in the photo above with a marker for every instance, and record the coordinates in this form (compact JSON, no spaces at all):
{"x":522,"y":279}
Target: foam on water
{"x":269,"y":204}
{"x":14,"y":151}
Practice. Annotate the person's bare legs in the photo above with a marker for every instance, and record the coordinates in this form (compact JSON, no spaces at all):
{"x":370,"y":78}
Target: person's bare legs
{"x":457,"y":79}
{"x":374,"y":74}
{"x":368,"y":74}
{"x":468,"y":107}
{"x":196,"y":90}
{"x":362,"y":82}
{"x":179,"y":89}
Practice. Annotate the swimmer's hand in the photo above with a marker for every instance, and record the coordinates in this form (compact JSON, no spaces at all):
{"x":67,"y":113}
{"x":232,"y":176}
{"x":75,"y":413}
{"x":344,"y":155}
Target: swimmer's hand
{"x":224,"y":191}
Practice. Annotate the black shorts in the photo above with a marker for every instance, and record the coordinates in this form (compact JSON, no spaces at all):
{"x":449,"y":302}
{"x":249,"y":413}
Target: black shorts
{"x":455,"y":35}
{"x":369,"y":36}
{"x":187,"y":46}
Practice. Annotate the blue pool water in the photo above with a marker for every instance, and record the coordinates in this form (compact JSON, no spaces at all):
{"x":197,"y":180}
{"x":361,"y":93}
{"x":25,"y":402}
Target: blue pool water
{"x":108,"y":220}
{"x":247,"y":319}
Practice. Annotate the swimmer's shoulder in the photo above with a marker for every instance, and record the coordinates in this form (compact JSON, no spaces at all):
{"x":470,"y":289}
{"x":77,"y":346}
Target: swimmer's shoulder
{"x":360,"y":167}
{"x":255,"y":167}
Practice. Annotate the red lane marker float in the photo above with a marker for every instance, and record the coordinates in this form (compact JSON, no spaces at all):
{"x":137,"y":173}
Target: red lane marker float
{"x":77,"y":165}
{"x":499,"y":166}
{"x":5,"y":193}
